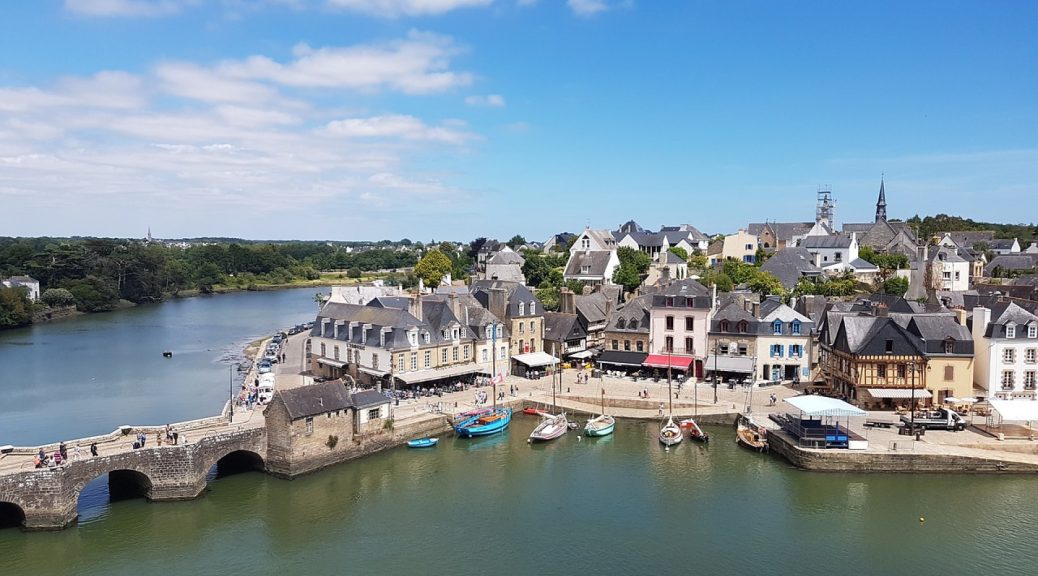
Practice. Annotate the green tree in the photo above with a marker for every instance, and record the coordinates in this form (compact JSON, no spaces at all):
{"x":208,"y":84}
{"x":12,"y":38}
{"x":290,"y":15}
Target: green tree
{"x":433,"y":267}
{"x":761,"y":256}
{"x":93,"y":294}
{"x":57,"y":297}
{"x":208,"y":275}
{"x":516,"y":241}
{"x":15,"y":307}
{"x":549,"y":297}
{"x":766,"y":284}
{"x":698,"y":262}
{"x":897,"y":285}
{"x":575,"y":286}
{"x":739,"y":272}
{"x":715,"y":277}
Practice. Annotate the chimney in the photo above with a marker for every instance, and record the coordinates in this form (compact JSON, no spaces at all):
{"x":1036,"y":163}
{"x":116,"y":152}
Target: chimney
{"x":665,"y":275}
{"x":567,"y":301}
{"x":882,"y":310}
{"x":496,"y":302}
{"x":981,"y":318}
{"x":455,"y":305}
{"x":960,"y":316}
{"x":415,"y":306}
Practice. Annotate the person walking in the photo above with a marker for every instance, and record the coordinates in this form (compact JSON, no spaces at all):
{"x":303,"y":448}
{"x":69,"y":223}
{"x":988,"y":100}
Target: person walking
{"x":93,"y":449}
{"x":661,"y":408}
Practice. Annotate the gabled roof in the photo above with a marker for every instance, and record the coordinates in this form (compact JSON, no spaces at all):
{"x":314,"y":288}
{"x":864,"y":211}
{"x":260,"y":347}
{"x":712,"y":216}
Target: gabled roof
{"x":945,"y":254}
{"x":505,"y":257}
{"x":772,"y":310}
{"x":1011,"y":262}
{"x":784,"y":231}
{"x":671,"y":258}
{"x":860,"y":265}
{"x":636,"y":309}
{"x":559,"y":327}
{"x":592,"y":307}
{"x":314,"y":399}
{"x":826,"y":242}
{"x":368,"y":399}
{"x":1002,"y":243}
{"x":790,"y":265}
{"x":597,"y":262}
{"x":685,"y":287}
{"x":515,"y":293}
{"x":857,"y":333}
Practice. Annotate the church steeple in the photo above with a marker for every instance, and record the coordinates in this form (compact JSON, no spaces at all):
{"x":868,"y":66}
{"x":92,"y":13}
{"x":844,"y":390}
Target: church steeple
{"x":881,"y":205}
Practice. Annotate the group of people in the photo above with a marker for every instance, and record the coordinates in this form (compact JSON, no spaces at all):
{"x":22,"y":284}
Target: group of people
{"x":170,"y":436}
{"x":60,"y":456}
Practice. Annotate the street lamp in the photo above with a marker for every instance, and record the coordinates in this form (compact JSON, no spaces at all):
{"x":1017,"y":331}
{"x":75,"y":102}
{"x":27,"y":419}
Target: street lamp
{"x":230,"y":391}
{"x":911,"y":368}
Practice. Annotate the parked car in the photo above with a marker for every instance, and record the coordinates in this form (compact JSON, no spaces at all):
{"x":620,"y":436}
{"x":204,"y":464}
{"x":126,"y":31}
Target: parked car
{"x":264,"y":366}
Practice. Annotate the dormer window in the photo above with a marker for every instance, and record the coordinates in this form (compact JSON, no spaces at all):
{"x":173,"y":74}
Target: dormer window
{"x":689,"y":302}
{"x":794,"y":327}
{"x":632,"y":325}
{"x":1010,"y":330}
{"x":620,"y":325}
{"x":1032,"y":331}
{"x":585,"y":243}
{"x":949,"y":346}
{"x":522,"y":308}
{"x":533,"y":308}
{"x":724,"y":326}
{"x":585,"y":269}
{"x":743,"y":327}
{"x":412,"y":337}
{"x":776,"y":327}
{"x":670,"y":301}
{"x":425,"y":337}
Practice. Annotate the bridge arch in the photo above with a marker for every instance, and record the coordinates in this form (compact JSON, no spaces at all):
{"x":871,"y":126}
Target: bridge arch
{"x":236,"y":461}
{"x":123,"y":483}
{"x":11,"y":515}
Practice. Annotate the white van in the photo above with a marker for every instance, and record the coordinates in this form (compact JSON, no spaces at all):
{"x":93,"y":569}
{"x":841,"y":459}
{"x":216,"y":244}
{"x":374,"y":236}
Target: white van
{"x":266,"y":388}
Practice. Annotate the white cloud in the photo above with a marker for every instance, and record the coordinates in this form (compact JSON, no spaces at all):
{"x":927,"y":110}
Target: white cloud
{"x":396,"y":126}
{"x":198,"y":83}
{"x":127,"y":8}
{"x":489,"y":100}
{"x":587,"y":7}
{"x":398,"y":8}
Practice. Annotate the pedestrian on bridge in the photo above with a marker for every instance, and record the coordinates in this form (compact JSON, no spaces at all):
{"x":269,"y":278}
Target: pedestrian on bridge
{"x":93,"y":449}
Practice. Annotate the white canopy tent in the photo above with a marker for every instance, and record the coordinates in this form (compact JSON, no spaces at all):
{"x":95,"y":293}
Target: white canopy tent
{"x":536,"y":359}
{"x":900,"y":393}
{"x":814,"y":405}
{"x":1015,"y":410}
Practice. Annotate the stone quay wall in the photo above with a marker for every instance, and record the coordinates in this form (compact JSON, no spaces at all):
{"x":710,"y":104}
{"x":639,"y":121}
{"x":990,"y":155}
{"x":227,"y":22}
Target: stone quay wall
{"x":782,"y":444}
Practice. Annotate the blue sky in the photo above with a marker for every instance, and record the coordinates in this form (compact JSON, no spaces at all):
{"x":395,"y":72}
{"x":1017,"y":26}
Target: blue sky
{"x":370,"y":119}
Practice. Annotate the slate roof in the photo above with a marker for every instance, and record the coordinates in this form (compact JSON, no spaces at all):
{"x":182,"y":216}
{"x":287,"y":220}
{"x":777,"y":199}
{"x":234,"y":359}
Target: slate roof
{"x":857,"y":227}
{"x":1001,"y":244}
{"x":636,"y":309}
{"x":506,"y":257}
{"x":825,"y":242}
{"x":473,"y":315}
{"x":967,"y":238}
{"x":945,"y":254}
{"x":790,"y":265}
{"x":935,"y":329}
{"x":368,"y":399}
{"x":671,"y":258}
{"x":315,"y":399}
{"x":514,"y":294}
{"x":436,"y":316}
{"x":1011,"y":262}
{"x":559,"y":327}
{"x":859,"y":331}
{"x":596,"y":260}
{"x":782,"y":230}
{"x":592,"y":307}
{"x":860,"y":265}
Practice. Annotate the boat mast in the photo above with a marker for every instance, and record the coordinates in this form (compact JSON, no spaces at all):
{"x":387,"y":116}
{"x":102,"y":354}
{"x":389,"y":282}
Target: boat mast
{"x":493,"y":362}
{"x":670,"y":397}
{"x":555,"y":349}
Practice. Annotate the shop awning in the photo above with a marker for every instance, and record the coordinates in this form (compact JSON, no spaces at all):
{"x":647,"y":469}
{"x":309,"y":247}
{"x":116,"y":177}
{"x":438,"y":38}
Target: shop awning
{"x":330,"y":362}
{"x":622,"y":358}
{"x":372,"y":372}
{"x":900,"y":393}
{"x":582,"y":354}
{"x":743,"y":364}
{"x":668,"y":361}
{"x":438,"y":373}
{"x":536,"y":359}
{"x":1016,"y":410}
{"x":815,"y":405}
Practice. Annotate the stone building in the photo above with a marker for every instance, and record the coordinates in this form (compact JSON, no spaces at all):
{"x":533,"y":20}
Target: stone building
{"x":515,"y":304}
{"x":760,"y":341}
{"x":679,"y":321}
{"x":311,"y":427}
{"x":1006,"y":341}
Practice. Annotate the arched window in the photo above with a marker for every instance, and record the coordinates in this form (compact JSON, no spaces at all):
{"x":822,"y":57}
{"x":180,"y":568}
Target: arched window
{"x":522,"y":308}
{"x":776,"y":327}
{"x":795,"y":327}
{"x":743,"y":327}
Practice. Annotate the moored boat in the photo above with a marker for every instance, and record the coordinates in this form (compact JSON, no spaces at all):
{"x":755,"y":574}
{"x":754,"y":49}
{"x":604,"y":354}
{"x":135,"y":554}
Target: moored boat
{"x":749,"y":434}
{"x":422,"y":442}
{"x":694,"y":431}
{"x":600,"y":426}
{"x":670,"y":433}
{"x":550,"y":428}
{"x":485,"y":423}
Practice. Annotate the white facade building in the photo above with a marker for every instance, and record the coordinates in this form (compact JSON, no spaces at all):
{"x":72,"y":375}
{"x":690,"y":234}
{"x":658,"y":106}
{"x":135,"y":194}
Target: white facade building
{"x":1006,"y":351}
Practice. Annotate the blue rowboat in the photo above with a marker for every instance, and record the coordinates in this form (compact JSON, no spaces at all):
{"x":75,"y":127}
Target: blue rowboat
{"x":489,"y":422}
{"x":422,"y":443}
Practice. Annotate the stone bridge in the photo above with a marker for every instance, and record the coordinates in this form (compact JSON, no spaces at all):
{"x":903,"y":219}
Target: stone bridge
{"x":47,"y":498}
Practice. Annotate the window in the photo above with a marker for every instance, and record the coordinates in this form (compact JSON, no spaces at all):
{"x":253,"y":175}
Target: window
{"x":466,"y":352}
{"x":425,"y":337}
{"x":533,"y":308}
{"x":323,"y":353}
{"x":335,"y":351}
{"x":400,"y":363}
{"x":744,"y":326}
{"x":743,"y":350}
{"x":1032,"y":331}
{"x":616,"y":344}
{"x":838,"y":257}
{"x":428,"y":359}
{"x":796,"y":350}
{"x":949,"y":373}
{"x":902,"y":370}
{"x":669,"y":345}
{"x":374,"y":414}
{"x":443,"y":356}
{"x":1008,"y":379}
{"x":504,"y":352}
{"x":1029,"y":380}
{"x":374,"y":361}
{"x":670,"y":322}
{"x":732,"y":348}
{"x":521,"y":326}
{"x":620,"y":324}
{"x":585,"y":269}
{"x":881,"y":370}
{"x":724,"y":325}
{"x":670,"y":301}
{"x":949,"y":346}
{"x":309,"y":425}
{"x":627,"y":345}
{"x":947,"y":275}
{"x":484,"y":355}
{"x":889,"y":346}
{"x":776,"y":350}
{"x":639,"y":346}
{"x":533,"y":327}
{"x":776,"y":327}
{"x":1010,"y":330}
{"x":689,"y":323}
{"x":690,"y":302}
{"x":413,"y":338}
{"x":1009,"y":356}
{"x":454,"y":354}
{"x":522,"y":308}
{"x":689,"y":346}
{"x":585,"y":243}
{"x":633,"y":325}
{"x":795,"y":327}
{"x":1030,"y":355}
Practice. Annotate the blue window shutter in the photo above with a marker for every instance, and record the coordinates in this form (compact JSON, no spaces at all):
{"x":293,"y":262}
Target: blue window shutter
{"x":780,"y":347}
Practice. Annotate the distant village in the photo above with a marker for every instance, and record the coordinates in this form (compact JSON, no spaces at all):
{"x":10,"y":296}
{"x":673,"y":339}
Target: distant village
{"x":868,"y":312}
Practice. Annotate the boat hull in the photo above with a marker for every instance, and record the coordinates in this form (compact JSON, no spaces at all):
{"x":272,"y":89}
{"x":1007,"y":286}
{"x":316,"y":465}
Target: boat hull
{"x":670,"y":434}
{"x":479,"y":425}
{"x":551,"y":428}
{"x":423,"y":443}
{"x":601,"y":426}
{"x":748,"y":437}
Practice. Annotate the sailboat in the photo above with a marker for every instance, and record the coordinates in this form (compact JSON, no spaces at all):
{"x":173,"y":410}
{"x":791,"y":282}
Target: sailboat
{"x":690,"y":424}
{"x":670,"y":433}
{"x":601,"y":425}
{"x":551,"y":426}
{"x":487,"y":421}
{"x":751,"y":435}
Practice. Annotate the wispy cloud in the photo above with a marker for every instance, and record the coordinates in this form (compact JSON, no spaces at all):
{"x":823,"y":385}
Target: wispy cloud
{"x":127,"y":8}
{"x":396,"y":126}
{"x":587,"y":7}
{"x":398,"y":8}
{"x":488,"y":100}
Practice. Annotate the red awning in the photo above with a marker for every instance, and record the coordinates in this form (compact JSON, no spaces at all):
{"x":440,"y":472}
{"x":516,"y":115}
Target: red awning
{"x":665,"y":361}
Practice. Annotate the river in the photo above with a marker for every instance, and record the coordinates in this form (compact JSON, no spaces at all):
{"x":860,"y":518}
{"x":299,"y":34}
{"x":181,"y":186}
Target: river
{"x":89,"y":374}
{"x":617,"y":505}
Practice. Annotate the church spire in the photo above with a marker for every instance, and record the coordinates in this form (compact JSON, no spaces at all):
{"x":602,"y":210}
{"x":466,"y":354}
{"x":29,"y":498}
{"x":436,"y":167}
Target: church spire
{"x":881,"y":205}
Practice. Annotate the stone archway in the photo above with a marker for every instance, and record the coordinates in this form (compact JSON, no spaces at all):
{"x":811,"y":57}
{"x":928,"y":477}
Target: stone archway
{"x":11,"y":515}
{"x":120,"y":484}
{"x":237,"y":462}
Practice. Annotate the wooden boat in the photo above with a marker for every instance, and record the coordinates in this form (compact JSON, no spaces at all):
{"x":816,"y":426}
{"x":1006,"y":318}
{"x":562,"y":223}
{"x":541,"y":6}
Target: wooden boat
{"x":550,"y":428}
{"x":750,"y":435}
{"x":602,"y":425}
{"x":484,"y":423}
{"x":670,"y":433}
{"x":694,"y":431}
{"x":532,"y":411}
{"x":422,"y":443}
